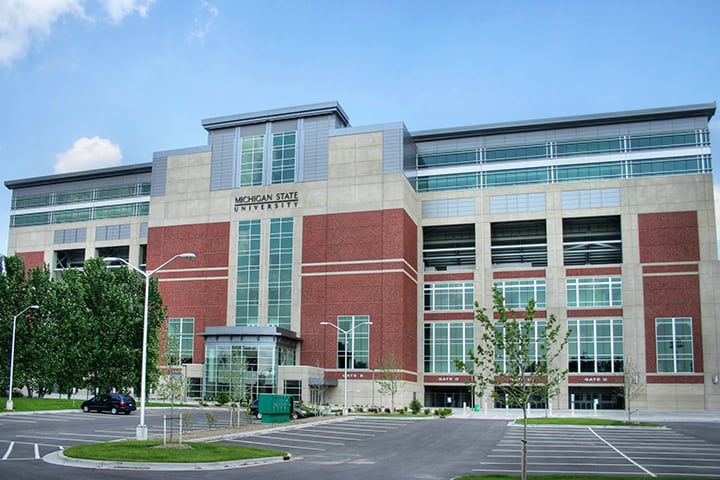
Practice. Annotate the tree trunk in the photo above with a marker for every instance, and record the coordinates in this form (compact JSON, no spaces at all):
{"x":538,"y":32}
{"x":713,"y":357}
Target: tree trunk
{"x":523,"y":451}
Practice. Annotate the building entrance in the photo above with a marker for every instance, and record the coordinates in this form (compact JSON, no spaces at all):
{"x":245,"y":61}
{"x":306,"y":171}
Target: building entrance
{"x":452,"y":397}
{"x":608,"y":398}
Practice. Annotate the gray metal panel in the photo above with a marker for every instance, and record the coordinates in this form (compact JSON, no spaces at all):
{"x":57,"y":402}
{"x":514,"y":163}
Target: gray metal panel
{"x":523,"y":202}
{"x":315,"y":151}
{"x":285,"y":126}
{"x":393,"y":150}
{"x":451,"y":207}
{"x":409,"y":150}
{"x":46,"y":185}
{"x":143,"y":230}
{"x":70,"y":235}
{"x":304,"y":111}
{"x":222,"y":164}
{"x":252,"y":130}
{"x":592,"y":198}
{"x":159,"y":175}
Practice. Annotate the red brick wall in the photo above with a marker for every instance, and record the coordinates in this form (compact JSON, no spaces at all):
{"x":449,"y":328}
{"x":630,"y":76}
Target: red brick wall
{"x":672,"y":296}
{"x":668,"y":237}
{"x":193,"y":293}
{"x":365,"y":285}
{"x":32,"y":259}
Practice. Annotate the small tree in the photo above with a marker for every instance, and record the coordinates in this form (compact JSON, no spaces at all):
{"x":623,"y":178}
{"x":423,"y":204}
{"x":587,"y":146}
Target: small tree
{"x":390,"y":377}
{"x":632,"y":387}
{"x":517,"y":356}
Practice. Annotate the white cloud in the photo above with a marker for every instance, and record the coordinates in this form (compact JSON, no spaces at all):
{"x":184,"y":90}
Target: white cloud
{"x":119,"y":9}
{"x":203,"y":20}
{"x":87,"y":154}
{"x":24,"y":23}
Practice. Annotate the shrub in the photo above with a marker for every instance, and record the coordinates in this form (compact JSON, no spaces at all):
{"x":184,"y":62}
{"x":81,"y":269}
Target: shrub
{"x":427,"y":411}
{"x":415,"y":406}
{"x":222,"y":399}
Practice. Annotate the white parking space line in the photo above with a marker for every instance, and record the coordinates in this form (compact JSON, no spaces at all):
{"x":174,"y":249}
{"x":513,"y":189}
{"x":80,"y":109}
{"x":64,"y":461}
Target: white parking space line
{"x":622,"y":454}
{"x":37,"y":452}
{"x":310,"y":435}
{"x":334,"y":431}
{"x":350,"y":429}
{"x":56,"y":438}
{"x":299,"y":440}
{"x":277,"y":445}
{"x":8,"y":451}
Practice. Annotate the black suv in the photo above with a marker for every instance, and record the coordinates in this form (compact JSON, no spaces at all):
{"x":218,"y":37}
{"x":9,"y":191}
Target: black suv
{"x":110,"y":402}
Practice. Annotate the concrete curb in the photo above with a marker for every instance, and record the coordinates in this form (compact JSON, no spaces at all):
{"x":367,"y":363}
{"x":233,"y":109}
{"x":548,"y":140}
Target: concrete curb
{"x":58,"y":458}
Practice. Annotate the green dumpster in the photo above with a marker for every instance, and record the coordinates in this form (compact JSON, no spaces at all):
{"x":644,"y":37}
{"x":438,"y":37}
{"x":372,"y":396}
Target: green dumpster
{"x":275,"y":408}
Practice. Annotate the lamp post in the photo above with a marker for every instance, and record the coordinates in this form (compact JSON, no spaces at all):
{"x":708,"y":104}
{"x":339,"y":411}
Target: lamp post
{"x":345,"y":334}
{"x":141,"y":432}
{"x":9,"y":403}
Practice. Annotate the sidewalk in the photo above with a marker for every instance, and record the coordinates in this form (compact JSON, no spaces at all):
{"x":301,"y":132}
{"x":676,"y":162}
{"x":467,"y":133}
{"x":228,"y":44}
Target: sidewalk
{"x":657,"y":416}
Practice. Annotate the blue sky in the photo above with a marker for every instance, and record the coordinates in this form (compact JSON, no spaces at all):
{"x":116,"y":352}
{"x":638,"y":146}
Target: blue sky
{"x":93,"y":83}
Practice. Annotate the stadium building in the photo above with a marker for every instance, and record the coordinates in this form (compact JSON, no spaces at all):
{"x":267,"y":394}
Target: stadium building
{"x":326,"y":250}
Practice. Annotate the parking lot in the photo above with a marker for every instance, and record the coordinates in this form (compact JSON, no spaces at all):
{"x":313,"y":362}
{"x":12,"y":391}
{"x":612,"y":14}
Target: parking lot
{"x":616,"y":451}
{"x":389,"y":448}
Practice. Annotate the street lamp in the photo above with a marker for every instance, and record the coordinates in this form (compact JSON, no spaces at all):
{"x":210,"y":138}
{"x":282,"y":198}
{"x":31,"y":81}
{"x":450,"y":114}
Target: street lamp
{"x":141,"y":432}
{"x":9,"y":403}
{"x":345,"y":333}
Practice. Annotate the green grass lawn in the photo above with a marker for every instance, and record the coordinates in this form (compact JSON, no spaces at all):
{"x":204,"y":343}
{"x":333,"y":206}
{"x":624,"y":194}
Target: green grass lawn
{"x":584,"y":421}
{"x":24,"y":404}
{"x":149,"y":451}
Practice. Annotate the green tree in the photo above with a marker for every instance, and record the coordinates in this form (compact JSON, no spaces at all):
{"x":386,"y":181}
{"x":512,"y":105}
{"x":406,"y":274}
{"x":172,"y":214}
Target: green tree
{"x":517,"y":357}
{"x":15,"y":296}
{"x":390,"y":379}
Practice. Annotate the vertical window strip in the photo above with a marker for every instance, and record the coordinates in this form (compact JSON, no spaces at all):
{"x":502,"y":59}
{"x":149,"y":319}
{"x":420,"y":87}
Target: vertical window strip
{"x":250,"y":166}
{"x":283,"y":158}
{"x":248,"y":273}
{"x":182,"y":331}
{"x":537,"y":329}
{"x":358,"y":341}
{"x":446,"y":342}
{"x":674,"y":345}
{"x":595,"y":346}
{"x":280,"y":272}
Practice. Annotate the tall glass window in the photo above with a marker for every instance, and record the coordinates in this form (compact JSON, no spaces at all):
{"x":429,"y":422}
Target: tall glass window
{"x":446,"y":342}
{"x":517,"y":293}
{"x":283,"y":158}
{"x":358,"y":341}
{"x":449,"y":296}
{"x":280,"y":272}
{"x":181,"y":332}
{"x":674,"y":345}
{"x":251,"y":161}
{"x":595,"y":346}
{"x":534,"y":330}
{"x":594,"y":292}
{"x":243,"y":371}
{"x":248,"y":273}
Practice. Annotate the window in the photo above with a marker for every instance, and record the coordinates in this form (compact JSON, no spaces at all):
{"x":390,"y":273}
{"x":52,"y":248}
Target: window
{"x":446,"y":342}
{"x":595,"y":346}
{"x":594,"y":292}
{"x":251,"y":161}
{"x":449,"y":296}
{"x":535,"y":331}
{"x":519,"y":244}
{"x":294,"y":389}
{"x":280,"y":272}
{"x":592,"y":240}
{"x":674,"y":345}
{"x":517,"y":293}
{"x":181,"y":332}
{"x":449,"y":247}
{"x":355,"y":330}
{"x":248,"y":273}
{"x":283,"y":158}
